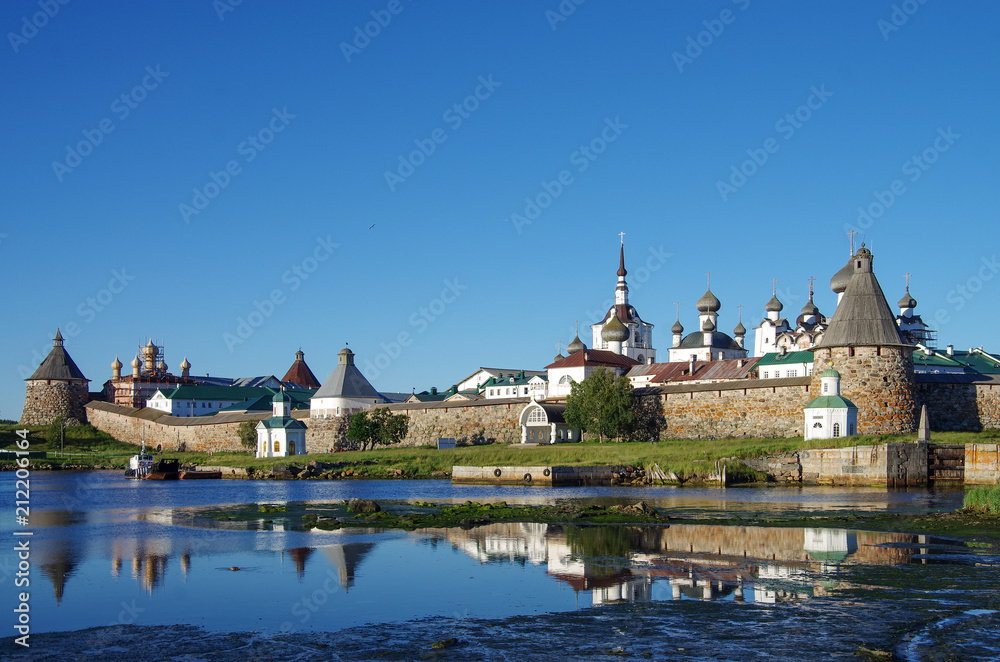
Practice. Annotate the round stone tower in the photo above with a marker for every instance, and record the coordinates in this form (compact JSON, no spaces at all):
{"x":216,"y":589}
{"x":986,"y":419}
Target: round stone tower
{"x":57,"y":388}
{"x":862,"y":342}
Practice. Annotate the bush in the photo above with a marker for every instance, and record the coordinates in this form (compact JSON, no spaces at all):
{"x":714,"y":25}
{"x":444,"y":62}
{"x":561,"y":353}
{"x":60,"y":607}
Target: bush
{"x":247,"y":432}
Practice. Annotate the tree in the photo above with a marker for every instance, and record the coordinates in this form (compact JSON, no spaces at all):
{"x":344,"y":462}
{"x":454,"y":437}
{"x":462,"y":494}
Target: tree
{"x":602,"y":404}
{"x":247,"y":432}
{"x":54,"y":435}
{"x":379,"y":426}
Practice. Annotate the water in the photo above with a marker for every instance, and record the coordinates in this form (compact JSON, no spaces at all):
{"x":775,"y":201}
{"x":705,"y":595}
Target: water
{"x":108,"y":551}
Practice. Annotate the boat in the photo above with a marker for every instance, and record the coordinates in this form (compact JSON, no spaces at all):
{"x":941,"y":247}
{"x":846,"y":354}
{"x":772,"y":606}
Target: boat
{"x":164,"y":469}
{"x":194,"y":473}
{"x":139,"y":465}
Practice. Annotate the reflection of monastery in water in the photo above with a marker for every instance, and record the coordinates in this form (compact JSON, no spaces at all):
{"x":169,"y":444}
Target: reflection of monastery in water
{"x":701,"y":562}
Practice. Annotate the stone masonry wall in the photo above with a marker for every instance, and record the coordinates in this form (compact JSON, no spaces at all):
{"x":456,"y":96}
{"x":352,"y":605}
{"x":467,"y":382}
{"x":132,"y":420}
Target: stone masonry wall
{"x":961,"y":407}
{"x":758,"y":410}
{"x":879,"y":380}
{"x":468,"y":423}
{"x":44,"y":402}
{"x":169,"y":432}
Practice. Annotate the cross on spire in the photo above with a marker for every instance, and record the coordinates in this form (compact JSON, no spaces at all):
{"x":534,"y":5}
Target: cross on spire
{"x":774,"y":287}
{"x":678,"y":305}
{"x":811,"y":279}
{"x":622,"y":235}
{"x":851,"y":235}
{"x":709,"y":275}
{"x":907,"y":281}
{"x":740,"y":307}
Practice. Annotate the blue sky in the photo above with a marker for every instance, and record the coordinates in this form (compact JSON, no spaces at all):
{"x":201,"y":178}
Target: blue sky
{"x":241,"y":181}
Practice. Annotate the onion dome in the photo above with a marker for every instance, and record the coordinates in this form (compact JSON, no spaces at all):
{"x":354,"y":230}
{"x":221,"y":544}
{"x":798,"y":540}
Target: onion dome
{"x":576,"y":345}
{"x":136,"y":362}
{"x":185,"y":365}
{"x":840,"y":279}
{"x":161,"y":366}
{"x":907,"y":301}
{"x":280,"y":397}
{"x":740,"y":330}
{"x":677,"y":328}
{"x":708,"y":326}
{"x":614,"y":331}
{"x":810,"y":308}
{"x":829,"y":372}
{"x":708,"y":303}
{"x":558,"y":357}
{"x":116,"y":364}
{"x":773,"y":306}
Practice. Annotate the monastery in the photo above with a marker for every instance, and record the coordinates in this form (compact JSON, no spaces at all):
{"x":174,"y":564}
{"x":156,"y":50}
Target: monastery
{"x":861,"y":370}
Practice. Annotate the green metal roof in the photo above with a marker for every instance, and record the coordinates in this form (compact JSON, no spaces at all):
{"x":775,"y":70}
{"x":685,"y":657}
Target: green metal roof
{"x":777,"y":358}
{"x":830,"y":402}
{"x":283,"y":422}
{"x":830,"y":372}
{"x":198,"y":392}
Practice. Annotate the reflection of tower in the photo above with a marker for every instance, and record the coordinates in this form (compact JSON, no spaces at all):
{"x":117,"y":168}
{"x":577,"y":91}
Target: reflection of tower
{"x":300,"y":555}
{"x":345,"y":558}
{"x":57,"y":564}
{"x":185,"y":563}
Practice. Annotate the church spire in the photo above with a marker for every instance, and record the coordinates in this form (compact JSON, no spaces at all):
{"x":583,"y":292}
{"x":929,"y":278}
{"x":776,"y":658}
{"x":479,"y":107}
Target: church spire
{"x":621,"y":289}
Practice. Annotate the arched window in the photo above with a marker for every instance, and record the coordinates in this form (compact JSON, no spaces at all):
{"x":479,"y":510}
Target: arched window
{"x":277,"y":446}
{"x":565,"y":379}
{"x":291,"y":448}
{"x":836,"y":429}
{"x":537,"y":415}
{"x":850,"y":430}
{"x":817,"y":424}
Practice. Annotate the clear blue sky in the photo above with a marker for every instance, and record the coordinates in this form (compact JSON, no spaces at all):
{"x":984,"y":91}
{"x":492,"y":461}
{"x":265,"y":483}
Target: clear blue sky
{"x":309,"y":127}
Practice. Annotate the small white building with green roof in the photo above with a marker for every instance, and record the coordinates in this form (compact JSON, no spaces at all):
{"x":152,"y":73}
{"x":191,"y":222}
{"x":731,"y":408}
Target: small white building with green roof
{"x":281,"y":435}
{"x":830,"y":415}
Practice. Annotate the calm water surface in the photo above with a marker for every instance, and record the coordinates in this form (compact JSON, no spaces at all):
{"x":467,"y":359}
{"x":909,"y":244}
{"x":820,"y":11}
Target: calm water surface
{"x":106,"y":550}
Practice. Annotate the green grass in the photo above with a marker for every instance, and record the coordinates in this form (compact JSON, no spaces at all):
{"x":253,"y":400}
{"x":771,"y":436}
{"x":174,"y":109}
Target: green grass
{"x":86,"y":446}
{"x":983,"y":499}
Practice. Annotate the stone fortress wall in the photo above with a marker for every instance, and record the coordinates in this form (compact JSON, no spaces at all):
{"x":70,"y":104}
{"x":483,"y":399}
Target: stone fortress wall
{"x":44,"y":402}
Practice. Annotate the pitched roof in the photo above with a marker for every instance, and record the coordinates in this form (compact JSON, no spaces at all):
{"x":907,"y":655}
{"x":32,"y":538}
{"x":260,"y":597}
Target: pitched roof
{"x":283,"y":422}
{"x":346,"y":381}
{"x":593,"y":357}
{"x":58,"y":364}
{"x":678,"y":371}
{"x":777,"y":358}
{"x":863,"y":316}
{"x":299,"y":399}
{"x":204,"y":392}
{"x":299,"y":373}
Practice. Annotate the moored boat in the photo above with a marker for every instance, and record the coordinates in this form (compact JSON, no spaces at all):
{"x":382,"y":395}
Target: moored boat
{"x":194,"y":473}
{"x":164,"y":470}
{"x":139,"y":465}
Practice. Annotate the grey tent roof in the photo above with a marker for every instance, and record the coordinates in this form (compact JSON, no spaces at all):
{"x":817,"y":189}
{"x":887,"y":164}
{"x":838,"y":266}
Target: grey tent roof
{"x":58,"y":364}
{"x":863,"y":316}
{"x":719,"y":341}
{"x":346,"y":381}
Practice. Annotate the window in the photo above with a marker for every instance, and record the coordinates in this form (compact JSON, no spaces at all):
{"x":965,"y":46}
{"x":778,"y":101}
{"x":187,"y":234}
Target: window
{"x":537,"y":415}
{"x":291,"y":448}
{"x":766,"y":374}
{"x":826,"y":387}
{"x":836,"y":429}
{"x":565,"y":379}
{"x":277,"y":446}
{"x":817,"y":424}
{"x":792,"y":373}
{"x":850,"y":429}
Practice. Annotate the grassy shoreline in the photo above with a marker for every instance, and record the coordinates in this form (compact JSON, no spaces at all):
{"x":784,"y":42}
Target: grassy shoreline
{"x":86,"y":447}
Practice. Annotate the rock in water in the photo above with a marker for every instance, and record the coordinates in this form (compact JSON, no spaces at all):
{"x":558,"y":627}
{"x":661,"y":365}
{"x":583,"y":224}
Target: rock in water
{"x":447,"y":643}
{"x":362,"y":506}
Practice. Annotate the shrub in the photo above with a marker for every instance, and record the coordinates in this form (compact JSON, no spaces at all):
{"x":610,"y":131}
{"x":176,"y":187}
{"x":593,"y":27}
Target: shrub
{"x":983,"y":499}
